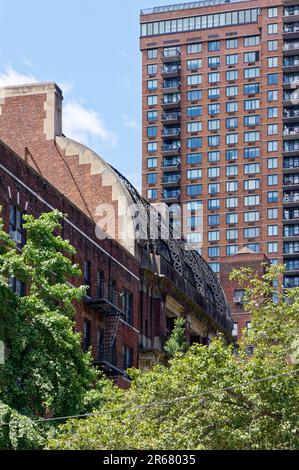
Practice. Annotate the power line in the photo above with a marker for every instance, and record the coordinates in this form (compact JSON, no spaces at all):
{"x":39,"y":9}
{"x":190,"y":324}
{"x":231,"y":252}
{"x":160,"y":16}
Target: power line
{"x":151,"y":405}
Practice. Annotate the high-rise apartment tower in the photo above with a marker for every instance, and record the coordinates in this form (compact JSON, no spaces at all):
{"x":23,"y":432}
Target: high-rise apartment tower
{"x":221,"y":124}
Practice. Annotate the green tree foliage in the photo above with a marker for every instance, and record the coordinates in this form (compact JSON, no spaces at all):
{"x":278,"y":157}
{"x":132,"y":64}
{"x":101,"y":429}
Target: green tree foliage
{"x":45,"y":373}
{"x":211,"y":398}
{"x":177,"y":342}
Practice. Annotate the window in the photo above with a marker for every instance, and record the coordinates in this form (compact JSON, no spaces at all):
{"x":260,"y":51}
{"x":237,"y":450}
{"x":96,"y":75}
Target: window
{"x":152,"y":100}
{"x":215,"y":267}
{"x":231,"y":202}
{"x":231,"y":250}
{"x":214,"y":252}
{"x":152,"y":131}
{"x":16,"y":230}
{"x":231,"y":154}
{"x":194,"y":190}
{"x":231,"y":139}
{"x":152,"y":84}
{"x":214,"y":188}
{"x":232,"y":59}
{"x":272,"y":78}
{"x":272,"y":214}
{"x":231,"y":75}
{"x":152,"y":178}
{"x":231,"y":186}
{"x":272,"y":95}
{"x":152,"y":193}
{"x":213,"y":93}
{"x":272,"y":180}
{"x":250,"y":105}
{"x":251,"y":136}
{"x":251,"y":185}
{"x":231,"y":91}
{"x":251,"y":168}
{"x":272,"y":146}
{"x":193,"y":64}
{"x":272,"y":163}
{"x":193,"y":80}
{"x":128,"y":358}
{"x":194,"y":174}
{"x":272,"y":129}
{"x":272,"y":230}
{"x":214,"y":172}
{"x":17,"y":286}
{"x":250,"y":217}
{"x":152,"y":69}
{"x":213,"y":141}
{"x":194,"y":126}
{"x":214,"y":77}
{"x":272,"y":196}
{"x":213,"y":219}
{"x":152,"y":147}
{"x":251,"y":201}
{"x":231,"y":43}
{"x":213,"y":157}
{"x":272,"y":112}
{"x":194,"y":158}
{"x":272,"y":28}
{"x":214,"y":204}
{"x":251,"y":152}
{"x":254,"y":247}
{"x":194,"y":111}
{"x":251,"y":232}
{"x":214,"y":124}
{"x":232,"y":170}
{"x":194,"y":95}
{"x":152,"y":54}
{"x":251,"y":121}
{"x":251,"y":57}
{"x":194,"y":48}
{"x":194,"y":143}
{"x":214,"y":236}
{"x":87,"y":277}
{"x":213,"y":46}
{"x":152,"y":116}
{"x":152,"y":163}
{"x":273,"y":247}
{"x":253,"y":72}
{"x":214,"y":61}
{"x":251,"y":41}
{"x":214,"y":108}
{"x":86,"y":335}
{"x":232,"y":107}
{"x":272,"y":45}
{"x":272,"y":62}
{"x":128,"y":302}
{"x":231,"y":219}
{"x":232,"y":234}
{"x":272,"y":12}
{"x":251,"y":89}
{"x":231,"y":123}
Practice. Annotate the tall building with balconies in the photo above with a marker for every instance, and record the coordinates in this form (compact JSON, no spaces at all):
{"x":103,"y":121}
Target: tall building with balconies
{"x":221,"y":125}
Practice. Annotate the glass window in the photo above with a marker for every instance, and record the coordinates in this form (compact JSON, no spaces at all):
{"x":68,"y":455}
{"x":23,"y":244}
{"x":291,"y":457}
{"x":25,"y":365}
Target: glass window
{"x":214,"y":77}
{"x":213,"y":219}
{"x":194,"y":80}
{"x":231,"y":43}
{"x":214,"y":172}
{"x":232,"y":107}
{"x":272,"y":112}
{"x":251,"y":217}
{"x":214,"y":236}
{"x":152,"y":178}
{"x":252,"y":232}
{"x":152,"y":163}
{"x":152,"y":69}
{"x":213,"y":124}
{"x":272,"y":78}
{"x":152,"y":54}
{"x":251,"y":57}
{"x":272,"y":28}
{"x":194,"y":190}
{"x":251,"y":152}
{"x":272,"y":45}
{"x":251,"y":41}
{"x":232,"y":234}
{"x":272,"y":62}
{"x":152,"y":193}
{"x":251,"y":89}
{"x":272,"y":180}
{"x":194,"y":95}
{"x":272,"y":12}
{"x":213,"y":157}
{"x":214,"y":61}
{"x":152,"y":116}
{"x":213,"y":141}
{"x":193,"y":143}
{"x":251,"y":168}
{"x":152,"y":84}
{"x":152,"y":147}
{"x":214,"y":108}
{"x":213,"y":46}
{"x":231,"y":139}
{"x":232,"y":59}
{"x":214,"y":252}
{"x":251,"y":136}
{"x":152,"y":131}
{"x":152,"y":100}
{"x":231,"y":91}
{"x":272,"y":95}
{"x":273,"y":247}
{"x":253,"y":72}
{"x":232,"y":202}
{"x":214,"y":93}
{"x":194,"y":158}
{"x":251,"y":185}
{"x":231,"y":186}
{"x":232,"y":219}
{"x":231,"y":154}
{"x":194,"y":174}
{"x":195,"y":126}
{"x":231,"y":250}
{"x":251,"y":201}
{"x":194,"y":48}
{"x":213,"y":204}
{"x":193,"y":64}
{"x":272,"y":230}
{"x":231,"y":75}
{"x":272,"y":196}
{"x":232,"y":170}
{"x":253,"y":120}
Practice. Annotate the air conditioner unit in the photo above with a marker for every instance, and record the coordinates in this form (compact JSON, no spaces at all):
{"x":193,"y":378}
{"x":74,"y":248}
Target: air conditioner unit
{"x":16,"y":236}
{"x":238,"y":300}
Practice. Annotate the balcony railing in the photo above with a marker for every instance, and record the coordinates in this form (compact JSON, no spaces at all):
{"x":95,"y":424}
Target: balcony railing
{"x":289,"y":164}
{"x":174,"y":163}
{"x":291,"y":62}
{"x":171,"y":196}
{"x":108,"y":300}
{"x":170,"y":101}
{"x":173,"y":179}
{"x":175,"y":116}
{"x":290,"y":198}
{"x":289,"y":46}
{"x":171,"y":148}
{"x":174,"y":84}
{"x":291,"y":28}
{"x":171,"y":132}
{"x":291,"y":11}
{"x":171,"y":69}
{"x":291,"y":113}
{"x":171,"y":53}
{"x":291,"y":131}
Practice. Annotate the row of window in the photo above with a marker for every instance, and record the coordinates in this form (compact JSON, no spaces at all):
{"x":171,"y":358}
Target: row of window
{"x":231,"y":186}
{"x":251,"y":232}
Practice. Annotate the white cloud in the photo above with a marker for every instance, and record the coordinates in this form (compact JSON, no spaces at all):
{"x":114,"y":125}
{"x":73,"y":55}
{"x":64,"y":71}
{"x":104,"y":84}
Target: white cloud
{"x":130,"y":123}
{"x":86,"y":125}
{"x":79,"y":123}
{"x":10,"y":77}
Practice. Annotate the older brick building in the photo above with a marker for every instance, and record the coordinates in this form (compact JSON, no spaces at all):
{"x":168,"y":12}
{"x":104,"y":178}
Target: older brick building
{"x":139,"y":282}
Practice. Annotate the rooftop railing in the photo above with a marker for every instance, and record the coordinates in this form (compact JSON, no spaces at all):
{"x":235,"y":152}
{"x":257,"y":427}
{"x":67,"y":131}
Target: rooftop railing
{"x":187,"y":6}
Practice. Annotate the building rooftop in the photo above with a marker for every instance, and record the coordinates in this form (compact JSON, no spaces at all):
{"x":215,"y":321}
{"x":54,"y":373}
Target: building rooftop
{"x":188,"y":6}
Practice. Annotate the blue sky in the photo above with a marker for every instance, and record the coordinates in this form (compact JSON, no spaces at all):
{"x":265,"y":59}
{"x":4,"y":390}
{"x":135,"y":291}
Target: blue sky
{"x":91,"y":48}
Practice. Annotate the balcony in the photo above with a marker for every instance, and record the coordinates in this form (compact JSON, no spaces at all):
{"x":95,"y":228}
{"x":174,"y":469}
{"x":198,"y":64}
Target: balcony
{"x":291,"y":180}
{"x":291,"y":48}
{"x":171,"y":180}
{"x":171,"y":86}
{"x":171,"y":70}
{"x":173,"y":164}
{"x":171,"y":132}
{"x":291,"y":148}
{"x":291,"y":81}
{"x":171,"y":149}
{"x":171,"y":196}
{"x":169,"y":102}
{"x":291,"y":115}
{"x":291,"y":64}
{"x":174,"y":117}
{"x":291,"y":133}
{"x":291,"y":199}
{"x":290,"y":164}
{"x":171,"y":55}
{"x":291,"y":30}
{"x":107,"y":301}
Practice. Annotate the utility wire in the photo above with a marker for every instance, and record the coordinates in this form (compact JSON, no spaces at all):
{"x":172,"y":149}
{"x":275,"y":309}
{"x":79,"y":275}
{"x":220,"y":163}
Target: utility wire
{"x":151,"y":405}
